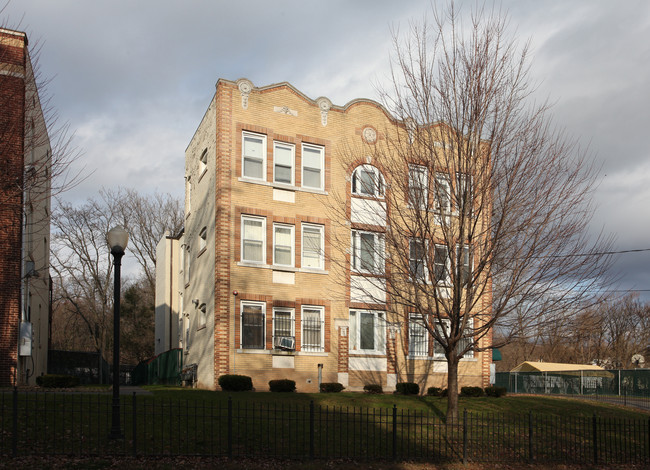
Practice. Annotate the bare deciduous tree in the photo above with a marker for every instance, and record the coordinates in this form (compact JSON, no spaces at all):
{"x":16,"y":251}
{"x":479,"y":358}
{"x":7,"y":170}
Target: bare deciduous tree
{"x":84,"y":267}
{"x":47,"y":173}
{"x":486,"y":204}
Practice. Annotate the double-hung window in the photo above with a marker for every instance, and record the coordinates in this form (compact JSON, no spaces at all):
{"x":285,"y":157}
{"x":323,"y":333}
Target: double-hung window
{"x":442,"y":193}
{"x":441,"y":264}
{"x":466,"y":341}
{"x":283,"y":161}
{"x":283,"y":328}
{"x":367,"y":181}
{"x":252,"y":325}
{"x":418,"y":186}
{"x":313,"y":246}
{"x":418,"y":336}
{"x":313,"y":166}
{"x":367,"y":331}
{"x":313,"y":331}
{"x":254,"y":156}
{"x":465,"y":265}
{"x":253,"y":230}
{"x":283,"y":243}
{"x":418,"y":259}
{"x":367,"y":252}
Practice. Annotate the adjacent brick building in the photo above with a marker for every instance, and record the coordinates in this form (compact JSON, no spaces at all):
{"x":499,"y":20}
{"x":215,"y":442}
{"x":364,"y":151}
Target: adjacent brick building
{"x":257,"y":284}
{"x":24,"y":217}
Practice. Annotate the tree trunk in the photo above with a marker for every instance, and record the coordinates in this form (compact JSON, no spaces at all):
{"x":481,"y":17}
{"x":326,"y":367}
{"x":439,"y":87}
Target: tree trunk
{"x":452,"y":388}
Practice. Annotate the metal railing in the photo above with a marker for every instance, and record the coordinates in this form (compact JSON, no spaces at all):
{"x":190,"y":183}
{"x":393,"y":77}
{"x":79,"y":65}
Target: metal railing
{"x":38,"y":423}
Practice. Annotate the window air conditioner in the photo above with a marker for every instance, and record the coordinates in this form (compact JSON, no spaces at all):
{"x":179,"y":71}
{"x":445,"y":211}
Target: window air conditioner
{"x":285,"y":342}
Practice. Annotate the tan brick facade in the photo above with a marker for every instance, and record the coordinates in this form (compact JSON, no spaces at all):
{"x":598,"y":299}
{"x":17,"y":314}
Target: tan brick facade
{"x":278,"y":118}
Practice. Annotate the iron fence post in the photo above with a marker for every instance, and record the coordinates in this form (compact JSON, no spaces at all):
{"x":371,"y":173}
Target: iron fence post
{"x":135,"y":428}
{"x":595,"y":433}
{"x":311,"y":429}
{"x":14,"y":437}
{"x":530,"y":436}
{"x":229,"y":427}
{"x":465,"y":436}
{"x":394,"y":432}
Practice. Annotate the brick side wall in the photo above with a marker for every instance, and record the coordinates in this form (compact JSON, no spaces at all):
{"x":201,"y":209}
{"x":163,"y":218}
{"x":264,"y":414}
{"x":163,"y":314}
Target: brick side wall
{"x":12,"y":118}
{"x":223,"y":237}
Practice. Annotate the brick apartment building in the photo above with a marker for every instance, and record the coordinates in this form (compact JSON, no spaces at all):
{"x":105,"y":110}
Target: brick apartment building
{"x":256,"y":284}
{"x":24,"y":217}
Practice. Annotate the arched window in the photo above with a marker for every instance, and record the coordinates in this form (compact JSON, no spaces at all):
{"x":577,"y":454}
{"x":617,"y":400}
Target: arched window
{"x":367,"y":181}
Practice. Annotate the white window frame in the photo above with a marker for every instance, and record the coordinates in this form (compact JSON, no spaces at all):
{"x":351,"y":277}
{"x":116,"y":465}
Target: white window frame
{"x":442,"y":186}
{"x":416,"y":326}
{"x":378,"y":252}
{"x":379,"y":326}
{"x":321,"y":249}
{"x":244,"y":218}
{"x":447,"y":279}
{"x":242,"y":304}
{"x":292,"y":320}
{"x":423,"y":261}
{"x":321,"y":322}
{"x":291,"y":245}
{"x":378,"y":182}
{"x":203,"y":239}
{"x":253,"y":135}
{"x":321,"y":150}
{"x":418,"y":181}
{"x":292,"y":149}
{"x":466,"y":252}
{"x":438,"y":354}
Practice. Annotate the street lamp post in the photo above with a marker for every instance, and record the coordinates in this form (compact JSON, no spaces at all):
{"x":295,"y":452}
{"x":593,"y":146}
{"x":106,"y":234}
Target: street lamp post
{"x":117,"y":239}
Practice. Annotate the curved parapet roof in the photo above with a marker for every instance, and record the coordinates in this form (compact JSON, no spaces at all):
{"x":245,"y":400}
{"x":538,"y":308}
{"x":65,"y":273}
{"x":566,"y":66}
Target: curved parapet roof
{"x":321,"y":101}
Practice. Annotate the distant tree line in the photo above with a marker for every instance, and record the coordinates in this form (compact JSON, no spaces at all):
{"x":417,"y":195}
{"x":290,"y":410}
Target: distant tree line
{"x":82,"y":270}
{"x":613,"y":334}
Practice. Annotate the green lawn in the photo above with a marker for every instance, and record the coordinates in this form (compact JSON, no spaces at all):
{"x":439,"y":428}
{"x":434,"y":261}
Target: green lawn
{"x":174,"y":421}
{"x":516,"y":404}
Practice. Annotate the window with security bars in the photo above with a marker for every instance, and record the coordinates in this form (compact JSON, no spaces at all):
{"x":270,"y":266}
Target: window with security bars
{"x":418,"y":337}
{"x":468,"y":340}
{"x":252,"y":325}
{"x":283,"y":324}
{"x":313,"y":329}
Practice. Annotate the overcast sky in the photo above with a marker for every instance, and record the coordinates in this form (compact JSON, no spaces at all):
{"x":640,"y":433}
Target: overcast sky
{"x":133,"y":79}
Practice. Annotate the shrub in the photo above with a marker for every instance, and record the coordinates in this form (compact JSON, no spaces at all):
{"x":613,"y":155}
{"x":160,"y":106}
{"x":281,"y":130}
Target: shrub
{"x":57,"y":381}
{"x":495,"y":392}
{"x":373,"y":388}
{"x":235,"y":383}
{"x":331,"y":387}
{"x":471,"y":392}
{"x":434,"y":391}
{"x":282,"y":385}
{"x":407,"y":388}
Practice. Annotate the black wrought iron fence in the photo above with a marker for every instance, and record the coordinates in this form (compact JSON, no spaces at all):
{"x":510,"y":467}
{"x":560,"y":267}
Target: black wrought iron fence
{"x":37,"y":423}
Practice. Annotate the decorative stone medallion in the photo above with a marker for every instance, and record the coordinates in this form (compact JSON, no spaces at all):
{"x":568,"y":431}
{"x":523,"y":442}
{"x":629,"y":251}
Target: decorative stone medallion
{"x":325,"y":105}
{"x":369,"y":134}
{"x":245,"y":86}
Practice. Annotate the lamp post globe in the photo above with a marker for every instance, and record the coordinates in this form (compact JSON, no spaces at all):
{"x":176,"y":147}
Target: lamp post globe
{"x":117,"y":239}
